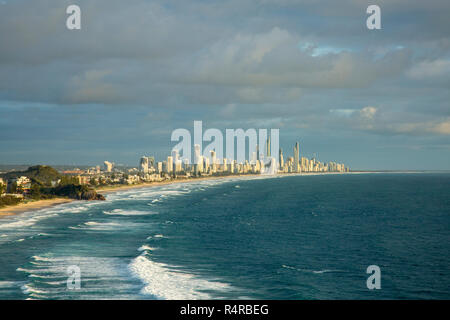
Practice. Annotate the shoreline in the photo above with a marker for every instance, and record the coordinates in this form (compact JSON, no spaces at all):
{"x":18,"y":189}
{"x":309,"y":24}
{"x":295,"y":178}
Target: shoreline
{"x":48,"y":203}
{"x":110,"y":189}
{"x":41,"y":204}
{"x":31,"y":206}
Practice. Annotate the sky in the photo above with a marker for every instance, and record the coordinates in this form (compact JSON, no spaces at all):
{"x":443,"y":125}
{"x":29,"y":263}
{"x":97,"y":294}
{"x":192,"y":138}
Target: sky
{"x":137,"y":70}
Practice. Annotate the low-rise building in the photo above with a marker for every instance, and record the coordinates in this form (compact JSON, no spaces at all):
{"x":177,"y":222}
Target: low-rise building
{"x":23,"y":183}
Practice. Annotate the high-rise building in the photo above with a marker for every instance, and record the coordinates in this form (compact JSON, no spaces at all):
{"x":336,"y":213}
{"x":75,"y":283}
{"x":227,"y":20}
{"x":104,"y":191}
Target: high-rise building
{"x":108,"y":166}
{"x":296,"y":157}
{"x":160,"y":167}
{"x":169,"y":164}
{"x":151,"y":162}
{"x":197,"y":159}
{"x":213,"y":161}
{"x":281,"y":159}
{"x":144,"y":164}
{"x":254,"y":158}
{"x":197,"y":154}
{"x":206,"y":164}
{"x":175,"y":163}
{"x":186,"y":166}
{"x":268,"y":148}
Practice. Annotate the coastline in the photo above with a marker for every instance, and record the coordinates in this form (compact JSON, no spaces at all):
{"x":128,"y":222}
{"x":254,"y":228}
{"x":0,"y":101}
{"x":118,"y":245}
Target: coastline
{"x":111,"y":189}
{"x":41,"y":204}
{"x":32,"y":205}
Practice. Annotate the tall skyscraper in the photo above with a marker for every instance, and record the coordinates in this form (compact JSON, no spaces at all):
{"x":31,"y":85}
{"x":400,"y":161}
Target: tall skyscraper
{"x":175,"y":160}
{"x":213,"y":161}
{"x":144,"y":164}
{"x":268,"y":147}
{"x":197,"y":158}
{"x":169,"y":164}
{"x":197,"y":154}
{"x":108,"y":166}
{"x":296,"y":157}
{"x":160,"y":167}
{"x":281,"y":159}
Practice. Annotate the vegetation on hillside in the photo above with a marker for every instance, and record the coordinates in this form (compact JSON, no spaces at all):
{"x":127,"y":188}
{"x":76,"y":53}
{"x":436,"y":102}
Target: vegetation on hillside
{"x":41,"y":175}
{"x":47,"y":183}
{"x":9,"y":201}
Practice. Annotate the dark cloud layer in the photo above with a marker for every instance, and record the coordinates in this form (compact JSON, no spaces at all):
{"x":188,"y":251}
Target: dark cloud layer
{"x":139,"y":69}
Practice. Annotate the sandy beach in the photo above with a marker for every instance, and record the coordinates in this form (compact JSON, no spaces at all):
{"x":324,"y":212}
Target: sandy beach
{"x":40,"y":204}
{"x":109,"y":189}
{"x":31,"y":205}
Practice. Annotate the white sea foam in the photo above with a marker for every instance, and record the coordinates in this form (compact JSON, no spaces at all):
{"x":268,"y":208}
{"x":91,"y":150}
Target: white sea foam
{"x":122,"y":212}
{"x":163,"y":282}
{"x":55,"y":283}
{"x":310,"y":271}
{"x":48,"y":279}
{"x":156,"y":236}
{"x":24,"y":221}
{"x":45,"y":259}
{"x":104,"y":226}
{"x":147,"y":248}
{"x":27,"y":289}
{"x":323,"y":271}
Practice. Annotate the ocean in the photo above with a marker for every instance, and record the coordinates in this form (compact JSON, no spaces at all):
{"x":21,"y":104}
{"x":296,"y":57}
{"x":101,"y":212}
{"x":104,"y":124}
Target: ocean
{"x":281,"y":237}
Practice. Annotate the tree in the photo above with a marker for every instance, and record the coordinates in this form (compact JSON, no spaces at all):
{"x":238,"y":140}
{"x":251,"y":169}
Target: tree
{"x":13,"y":188}
{"x":35,"y":191}
{"x":65,"y":180}
{"x":2,"y":188}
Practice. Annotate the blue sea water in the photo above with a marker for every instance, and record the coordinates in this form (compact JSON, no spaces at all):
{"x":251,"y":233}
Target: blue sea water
{"x":284,"y":237}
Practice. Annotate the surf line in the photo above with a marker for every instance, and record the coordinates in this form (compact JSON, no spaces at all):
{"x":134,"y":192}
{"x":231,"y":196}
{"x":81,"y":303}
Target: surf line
{"x":192,"y":310}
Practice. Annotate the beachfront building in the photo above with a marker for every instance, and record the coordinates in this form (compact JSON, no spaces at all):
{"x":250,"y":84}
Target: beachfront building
{"x":169,"y":164}
{"x":143,"y":165}
{"x":21,"y":183}
{"x":159,"y":167}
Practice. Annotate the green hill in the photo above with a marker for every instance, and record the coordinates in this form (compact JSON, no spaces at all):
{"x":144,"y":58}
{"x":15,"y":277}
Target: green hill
{"x":42,"y":175}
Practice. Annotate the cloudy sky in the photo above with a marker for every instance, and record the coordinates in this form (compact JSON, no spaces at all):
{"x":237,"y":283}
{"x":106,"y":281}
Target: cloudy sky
{"x":138,"y":69}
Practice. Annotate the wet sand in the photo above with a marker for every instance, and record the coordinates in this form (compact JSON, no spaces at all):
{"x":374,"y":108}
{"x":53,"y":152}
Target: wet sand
{"x":108,"y":189}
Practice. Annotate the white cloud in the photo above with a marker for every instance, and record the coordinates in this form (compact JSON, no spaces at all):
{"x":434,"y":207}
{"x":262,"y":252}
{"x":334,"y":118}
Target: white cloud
{"x":430,"y":69}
